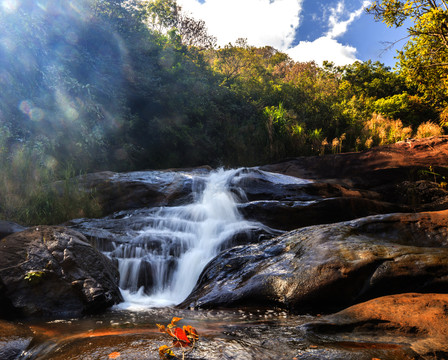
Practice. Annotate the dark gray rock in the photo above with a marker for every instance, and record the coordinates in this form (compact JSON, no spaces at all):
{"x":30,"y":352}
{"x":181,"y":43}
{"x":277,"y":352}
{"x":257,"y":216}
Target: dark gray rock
{"x":133,"y":190}
{"x":9,"y":227}
{"x":53,"y":271}
{"x":328,"y":267}
{"x":289,"y":215}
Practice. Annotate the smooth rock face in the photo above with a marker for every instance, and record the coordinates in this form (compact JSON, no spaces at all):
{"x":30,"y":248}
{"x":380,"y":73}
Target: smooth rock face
{"x":53,"y":271}
{"x":122,"y":191}
{"x":287,"y":205}
{"x":401,"y":173}
{"x":328,"y":267}
{"x":421,"y":320}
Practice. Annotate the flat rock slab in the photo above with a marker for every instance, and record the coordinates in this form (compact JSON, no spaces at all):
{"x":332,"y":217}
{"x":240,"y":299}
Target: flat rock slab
{"x":405,"y":173}
{"x":138,"y":189}
{"x":326,"y":268}
{"x":361,"y":167}
{"x":421,"y":320}
{"x":53,"y":271}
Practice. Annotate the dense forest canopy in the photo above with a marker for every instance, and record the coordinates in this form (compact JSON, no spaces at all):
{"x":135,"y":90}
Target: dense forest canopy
{"x":89,"y":85}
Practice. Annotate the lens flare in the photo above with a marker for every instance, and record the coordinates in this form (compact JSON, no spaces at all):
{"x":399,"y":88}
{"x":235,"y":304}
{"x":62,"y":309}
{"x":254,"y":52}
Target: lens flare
{"x":25,"y":106}
{"x":10,"y":5}
{"x":36,"y":114}
{"x":50,"y":162}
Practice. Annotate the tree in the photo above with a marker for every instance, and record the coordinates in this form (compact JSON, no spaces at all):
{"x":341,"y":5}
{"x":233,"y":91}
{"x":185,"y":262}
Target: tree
{"x":424,"y":58}
{"x":166,"y":15}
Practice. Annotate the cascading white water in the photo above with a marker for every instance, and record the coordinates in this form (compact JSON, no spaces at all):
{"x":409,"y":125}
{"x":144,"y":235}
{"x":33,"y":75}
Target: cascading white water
{"x":178,"y":243}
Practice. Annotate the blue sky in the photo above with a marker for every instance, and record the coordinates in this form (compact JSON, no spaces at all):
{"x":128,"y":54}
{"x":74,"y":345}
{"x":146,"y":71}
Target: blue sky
{"x":334,"y":30}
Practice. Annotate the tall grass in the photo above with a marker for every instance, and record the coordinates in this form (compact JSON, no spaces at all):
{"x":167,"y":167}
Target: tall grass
{"x":428,"y":129}
{"x":33,"y":190}
{"x":381,"y":130}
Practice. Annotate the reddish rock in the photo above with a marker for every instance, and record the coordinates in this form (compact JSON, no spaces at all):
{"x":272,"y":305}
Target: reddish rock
{"x":421,"y":320}
{"x":363,"y":166}
{"x":406,"y":173}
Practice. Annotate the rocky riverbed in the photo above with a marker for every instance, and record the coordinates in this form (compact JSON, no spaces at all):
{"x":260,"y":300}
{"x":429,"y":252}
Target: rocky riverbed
{"x":334,"y":257}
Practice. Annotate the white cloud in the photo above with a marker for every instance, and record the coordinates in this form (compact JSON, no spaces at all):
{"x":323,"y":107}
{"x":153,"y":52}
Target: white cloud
{"x":262,"y":22}
{"x":339,"y":27}
{"x":327,"y":47}
{"x":323,"y":48}
{"x":274,"y":23}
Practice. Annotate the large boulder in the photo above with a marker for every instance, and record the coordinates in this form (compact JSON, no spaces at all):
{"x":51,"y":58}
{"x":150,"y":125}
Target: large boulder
{"x":133,"y":190}
{"x":289,"y":215}
{"x":408,"y":172}
{"x":374,"y":167}
{"x":329,"y":267}
{"x":286,"y":203}
{"x":420,"y":320}
{"x":54,"y":272}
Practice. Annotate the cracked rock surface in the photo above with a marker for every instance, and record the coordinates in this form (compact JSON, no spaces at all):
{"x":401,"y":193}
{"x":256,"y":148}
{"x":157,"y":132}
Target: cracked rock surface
{"x":53,"y":271}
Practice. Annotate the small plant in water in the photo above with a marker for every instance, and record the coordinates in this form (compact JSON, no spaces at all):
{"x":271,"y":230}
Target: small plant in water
{"x":183,"y":338}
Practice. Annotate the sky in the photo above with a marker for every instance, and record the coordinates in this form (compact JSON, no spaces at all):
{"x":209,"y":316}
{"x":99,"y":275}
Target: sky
{"x":335,"y":30}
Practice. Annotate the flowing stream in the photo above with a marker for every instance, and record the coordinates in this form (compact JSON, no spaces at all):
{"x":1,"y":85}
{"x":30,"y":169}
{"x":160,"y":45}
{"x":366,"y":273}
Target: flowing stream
{"x":162,"y":251}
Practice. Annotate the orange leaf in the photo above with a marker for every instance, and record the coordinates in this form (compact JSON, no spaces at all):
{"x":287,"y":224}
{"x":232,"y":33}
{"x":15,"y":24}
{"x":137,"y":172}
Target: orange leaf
{"x":191,"y":332}
{"x":114,"y":355}
{"x":161,"y":328}
{"x":181,"y":336}
{"x":174,"y":320}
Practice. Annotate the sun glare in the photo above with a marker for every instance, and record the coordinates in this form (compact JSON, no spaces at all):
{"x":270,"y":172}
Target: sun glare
{"x":10,"y":5}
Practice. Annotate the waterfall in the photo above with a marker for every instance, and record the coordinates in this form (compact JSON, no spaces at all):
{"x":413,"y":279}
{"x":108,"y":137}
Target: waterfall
{"x":161,"y":265}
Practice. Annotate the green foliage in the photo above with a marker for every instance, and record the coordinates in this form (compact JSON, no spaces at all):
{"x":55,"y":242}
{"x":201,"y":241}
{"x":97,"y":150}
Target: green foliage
{"x":30,"y":194}
{"x":34,"y":277}
{"x":424,"y":58}
{"x":124,"y":85}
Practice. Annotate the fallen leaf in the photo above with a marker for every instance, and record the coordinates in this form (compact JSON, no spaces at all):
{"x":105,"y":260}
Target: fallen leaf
{"x":191,"y":332}
{"x":174,"y":320}
{"x":181,"y":336}
{"x":114,"y":355}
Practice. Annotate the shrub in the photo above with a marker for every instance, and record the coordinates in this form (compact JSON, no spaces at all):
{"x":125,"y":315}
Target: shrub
{"x":428,"y":129}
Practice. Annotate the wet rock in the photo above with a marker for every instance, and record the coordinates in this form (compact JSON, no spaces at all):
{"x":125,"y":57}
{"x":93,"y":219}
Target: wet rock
{"x":53,"y":271}
{"x":9,"y":227}
{"x":289,"y":215}
{"x":122,"y":191}
{"x":14,"y":339}
{"x":420,"y":320}
{"x":377,"y":166}
{"x":381,"y":169}
{"x":328,"y":267}
{"x":223,"y":337}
